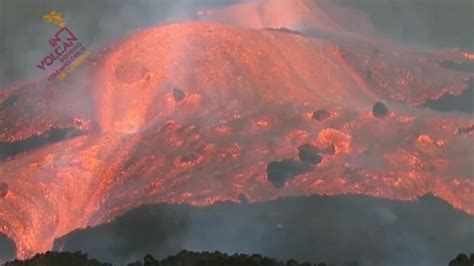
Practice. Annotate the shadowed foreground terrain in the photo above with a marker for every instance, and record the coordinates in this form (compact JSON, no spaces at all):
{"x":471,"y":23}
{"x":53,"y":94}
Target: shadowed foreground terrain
{"x":336,"y":229}
{"x":200,"y":112}
{"x":183,"y":258}
{"x":189,"y":258}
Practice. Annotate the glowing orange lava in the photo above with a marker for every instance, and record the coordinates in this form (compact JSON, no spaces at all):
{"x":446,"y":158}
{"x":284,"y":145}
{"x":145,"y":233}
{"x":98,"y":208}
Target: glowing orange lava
{"x":248,"y":94}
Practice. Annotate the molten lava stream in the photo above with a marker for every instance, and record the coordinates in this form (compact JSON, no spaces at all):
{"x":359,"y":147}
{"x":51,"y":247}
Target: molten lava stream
{"x":197,"y":113}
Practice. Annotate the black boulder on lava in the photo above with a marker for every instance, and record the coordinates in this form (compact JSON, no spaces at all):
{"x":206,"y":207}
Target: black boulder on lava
{"x":178,"y":94}
{"x":278,"y":172}
{"x":321,"y":114}
{"x":309,"y":153}
{"x":379,"y":110}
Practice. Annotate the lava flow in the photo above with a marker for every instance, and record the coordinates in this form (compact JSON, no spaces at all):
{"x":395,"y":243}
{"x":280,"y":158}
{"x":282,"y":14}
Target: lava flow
{"x":200,"y":112}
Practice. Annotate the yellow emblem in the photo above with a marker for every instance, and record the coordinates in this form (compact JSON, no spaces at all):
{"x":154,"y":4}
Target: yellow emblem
{"x":54,"y":17}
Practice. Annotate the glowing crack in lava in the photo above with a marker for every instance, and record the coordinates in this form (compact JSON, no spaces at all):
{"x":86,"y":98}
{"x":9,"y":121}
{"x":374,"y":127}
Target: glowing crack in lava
{"x":197,"y":113}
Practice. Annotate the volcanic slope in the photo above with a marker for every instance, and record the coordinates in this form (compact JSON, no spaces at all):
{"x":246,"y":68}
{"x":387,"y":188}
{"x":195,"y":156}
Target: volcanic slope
{"x":200,"y":112}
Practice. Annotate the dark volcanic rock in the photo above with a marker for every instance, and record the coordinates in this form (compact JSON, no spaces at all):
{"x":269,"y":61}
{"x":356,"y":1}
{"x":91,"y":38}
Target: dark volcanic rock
{"x":309,"y":153}
{"x":461,"y":66}
{"x":54,"y":135}
{"x":10,"y":101}
{"x":455,"y":103}
{"x":178,"y":94}
{"x":243,"y":199}
{"x":284,"y":29}
{"x":321,"y":114}
{"x":465,"y":130}
{"x":3,"y":190}
{"x":379,"y":110}
{"x":7,"y":248}
{"x":278,"y":172}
